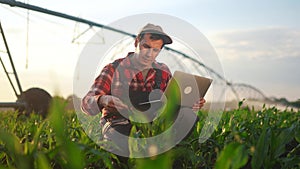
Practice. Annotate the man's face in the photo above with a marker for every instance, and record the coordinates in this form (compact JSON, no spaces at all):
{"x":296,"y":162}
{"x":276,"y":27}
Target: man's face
{"x":147,"y":50}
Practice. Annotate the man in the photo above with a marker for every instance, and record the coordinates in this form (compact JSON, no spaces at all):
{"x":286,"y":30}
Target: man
{"x":128,"y":81}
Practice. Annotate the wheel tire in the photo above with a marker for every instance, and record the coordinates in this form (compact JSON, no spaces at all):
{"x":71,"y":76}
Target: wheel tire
{"x":37,"y":101}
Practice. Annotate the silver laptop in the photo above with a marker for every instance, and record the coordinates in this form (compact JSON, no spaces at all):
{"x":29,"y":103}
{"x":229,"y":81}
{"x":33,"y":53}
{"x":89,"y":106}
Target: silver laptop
{"x":184,"y":89}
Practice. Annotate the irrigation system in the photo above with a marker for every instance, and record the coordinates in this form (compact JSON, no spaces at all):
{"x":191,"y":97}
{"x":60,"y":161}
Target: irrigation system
{"x":37,"y":99}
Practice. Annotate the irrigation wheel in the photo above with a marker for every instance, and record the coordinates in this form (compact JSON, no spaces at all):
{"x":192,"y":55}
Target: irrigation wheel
{"x":36,"y":100}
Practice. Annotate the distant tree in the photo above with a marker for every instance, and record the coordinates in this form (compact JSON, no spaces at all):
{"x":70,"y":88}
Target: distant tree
{"x":296,"y":103}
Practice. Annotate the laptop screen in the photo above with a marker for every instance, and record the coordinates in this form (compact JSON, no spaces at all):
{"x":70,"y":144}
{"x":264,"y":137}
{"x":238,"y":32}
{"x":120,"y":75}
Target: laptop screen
{"x":184,"y":89}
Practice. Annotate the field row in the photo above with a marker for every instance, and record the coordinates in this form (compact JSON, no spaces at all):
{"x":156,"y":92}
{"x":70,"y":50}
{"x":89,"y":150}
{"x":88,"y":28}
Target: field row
{"x":244,"y":138}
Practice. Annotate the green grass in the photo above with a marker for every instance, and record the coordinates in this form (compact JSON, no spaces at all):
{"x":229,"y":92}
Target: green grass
{"x":244,"y":138}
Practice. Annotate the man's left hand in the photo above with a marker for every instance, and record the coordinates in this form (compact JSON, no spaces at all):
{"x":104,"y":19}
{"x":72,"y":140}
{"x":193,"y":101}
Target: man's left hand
{"x":199,"y":104}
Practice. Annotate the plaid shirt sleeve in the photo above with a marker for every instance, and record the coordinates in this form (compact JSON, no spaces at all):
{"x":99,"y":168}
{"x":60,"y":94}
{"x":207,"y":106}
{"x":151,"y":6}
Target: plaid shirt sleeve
{"x":100,"y":87}
{"x":166,"y":76}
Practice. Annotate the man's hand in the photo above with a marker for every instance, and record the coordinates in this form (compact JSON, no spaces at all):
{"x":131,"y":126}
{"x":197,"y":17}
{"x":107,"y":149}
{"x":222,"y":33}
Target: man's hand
{"x":112,"y":103}
{"x":199,"y":104}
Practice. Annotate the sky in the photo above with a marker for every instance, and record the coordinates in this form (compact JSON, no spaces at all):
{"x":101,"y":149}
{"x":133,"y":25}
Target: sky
{"x":257,"y":42}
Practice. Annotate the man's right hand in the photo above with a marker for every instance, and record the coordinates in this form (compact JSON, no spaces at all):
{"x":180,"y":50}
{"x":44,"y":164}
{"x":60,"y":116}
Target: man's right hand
{"x":112,"y":103}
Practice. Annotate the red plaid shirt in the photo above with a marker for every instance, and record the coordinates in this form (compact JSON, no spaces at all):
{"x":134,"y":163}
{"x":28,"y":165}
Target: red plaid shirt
{"x":114,"y":80}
